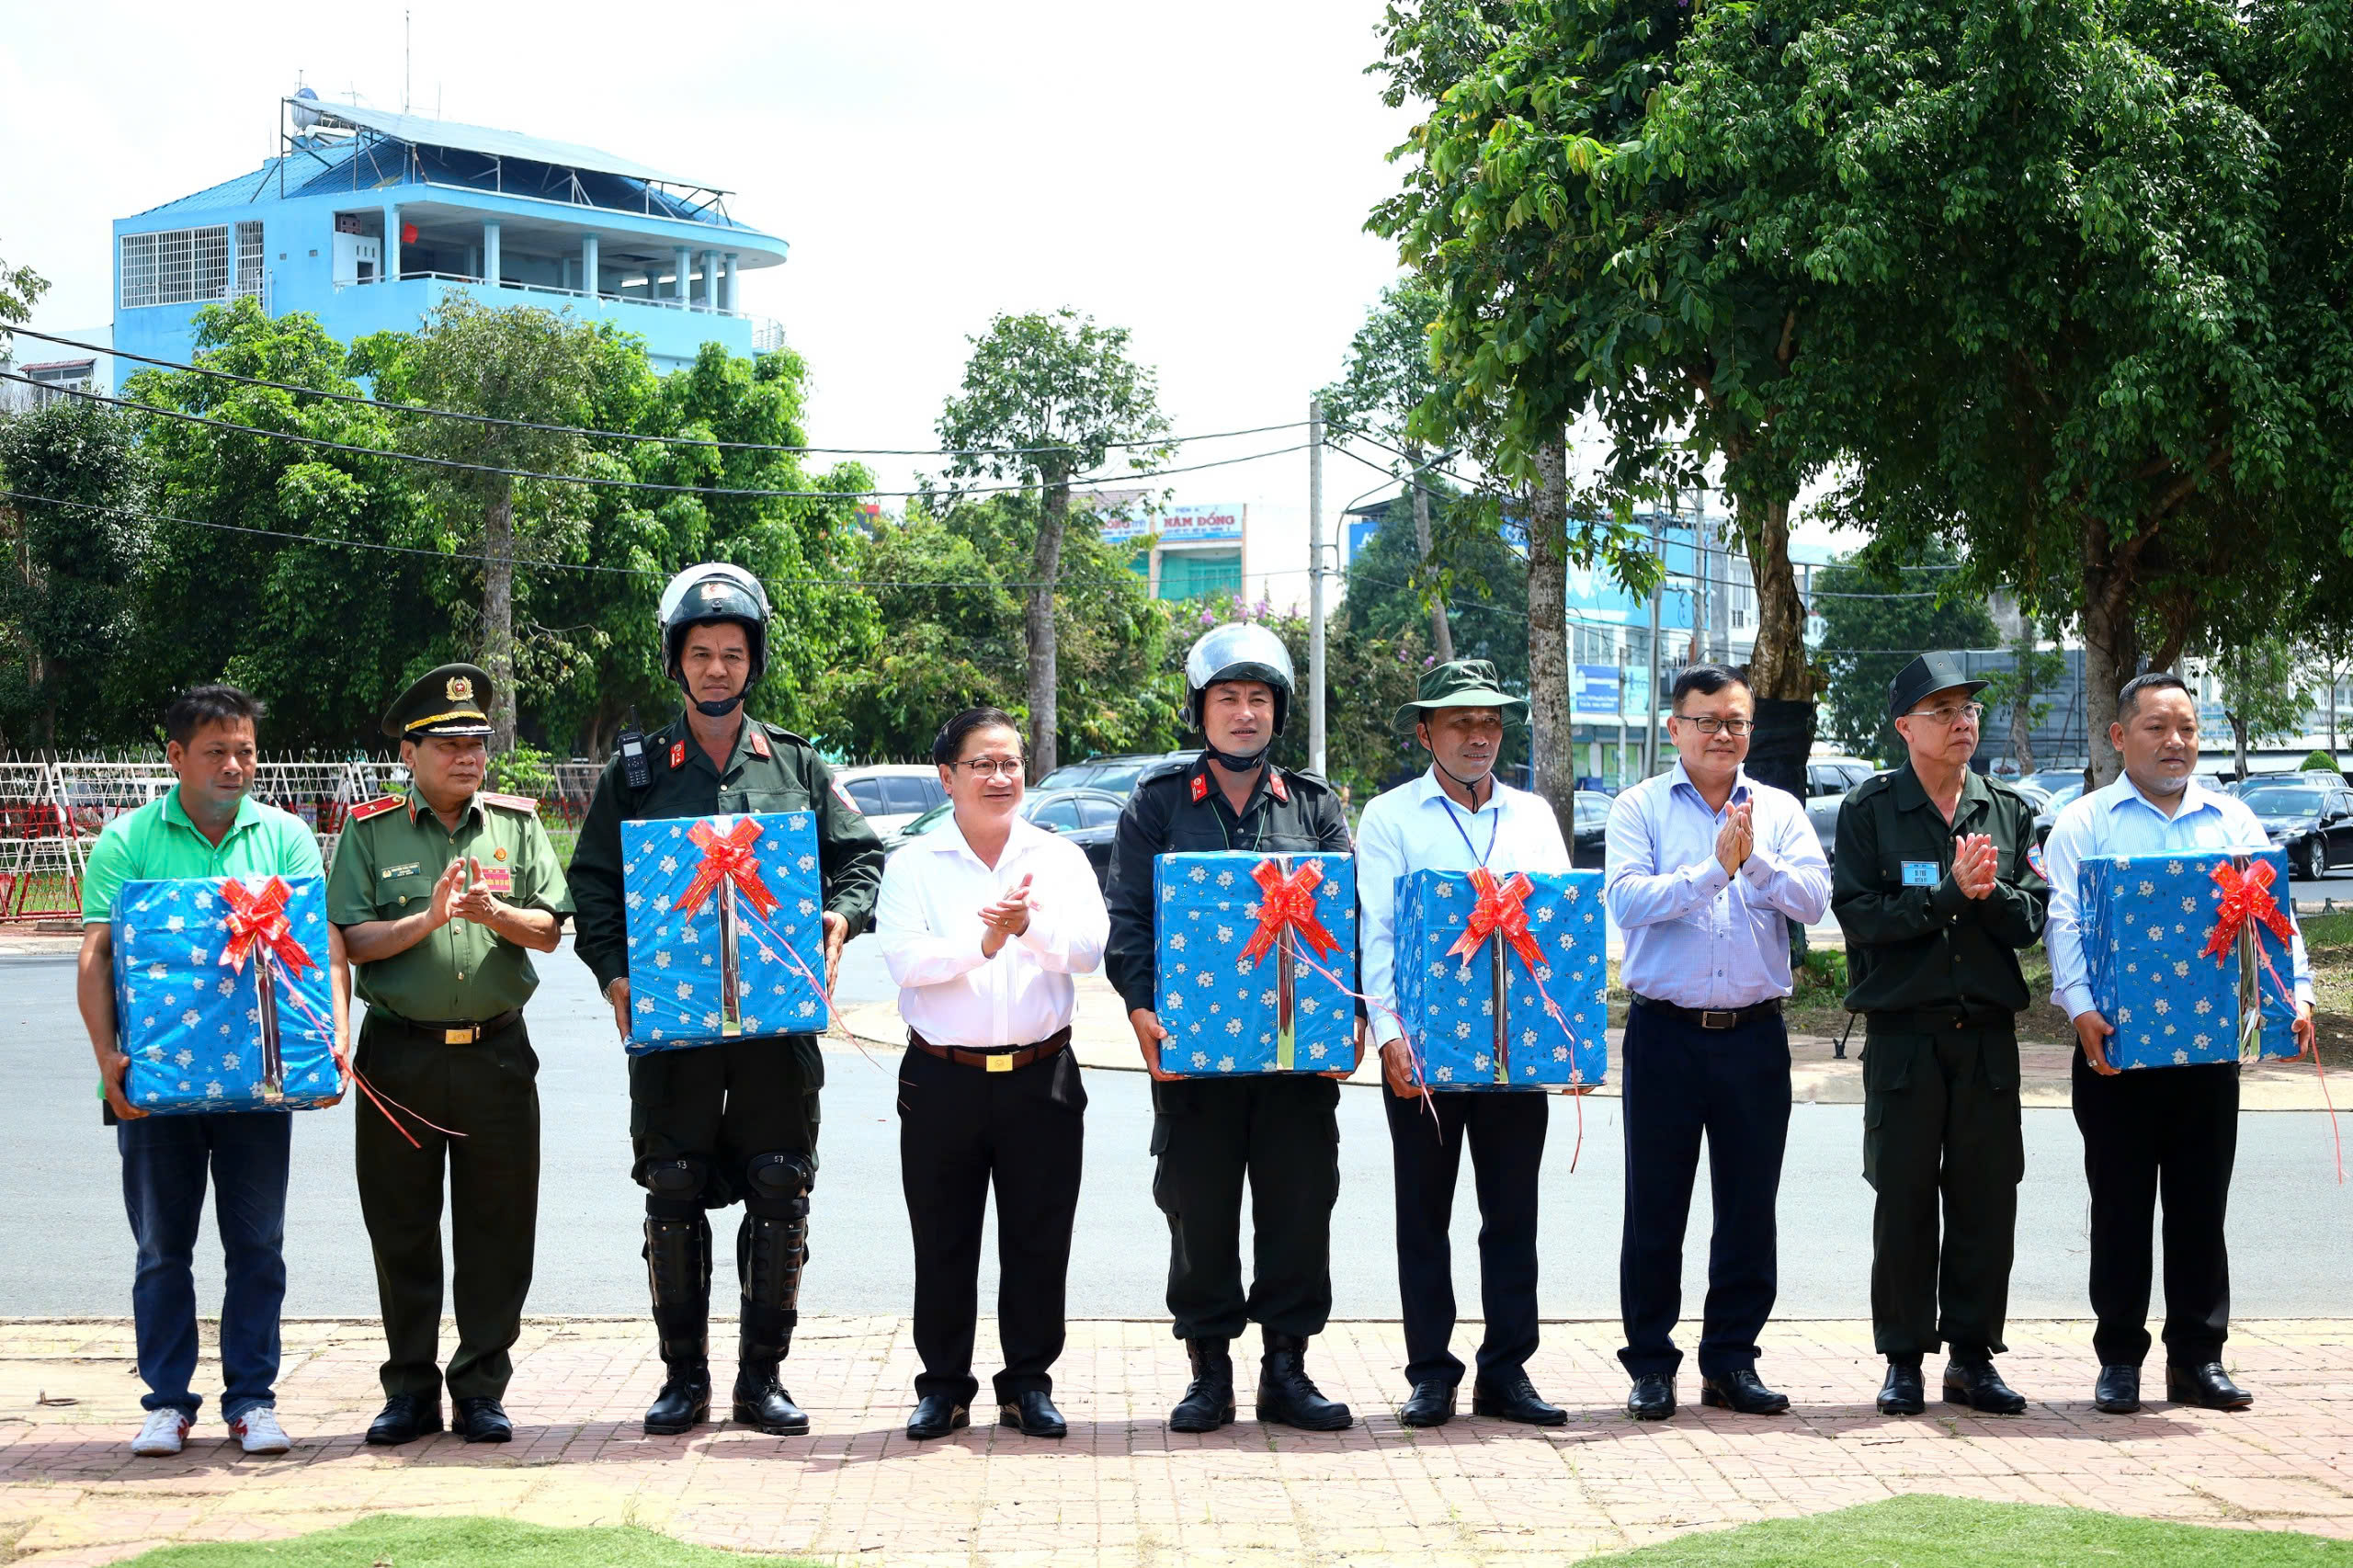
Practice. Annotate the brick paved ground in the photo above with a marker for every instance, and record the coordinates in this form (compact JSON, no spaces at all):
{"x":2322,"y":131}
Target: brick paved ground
{"x":1122,"y":1490}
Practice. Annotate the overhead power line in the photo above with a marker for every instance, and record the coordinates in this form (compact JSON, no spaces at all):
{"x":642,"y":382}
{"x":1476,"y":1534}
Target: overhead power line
{"x":599,"y":482}
{"x":592,"y":433}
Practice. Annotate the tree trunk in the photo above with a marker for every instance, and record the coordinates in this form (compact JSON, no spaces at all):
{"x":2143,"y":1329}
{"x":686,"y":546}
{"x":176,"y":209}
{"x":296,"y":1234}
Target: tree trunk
{"x":2238,"y":737}
{"x":1045,"y":571}
{"x":2022,"y":704}
{"x":498,"y":616}
{"x":1780,"y":676}
{"x":1441,"y":630}
{"x":2111,"y":652}
{"x":1550,"y":746}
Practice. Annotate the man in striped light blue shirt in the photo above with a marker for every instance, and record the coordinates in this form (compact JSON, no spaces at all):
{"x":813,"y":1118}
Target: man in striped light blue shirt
{"x":2170,"y":1127}
{"x":1707,"y":868}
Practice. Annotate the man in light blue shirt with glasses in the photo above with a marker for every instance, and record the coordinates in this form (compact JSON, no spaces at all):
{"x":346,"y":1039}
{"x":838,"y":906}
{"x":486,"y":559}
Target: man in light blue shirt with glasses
{"x":1707,"y":867}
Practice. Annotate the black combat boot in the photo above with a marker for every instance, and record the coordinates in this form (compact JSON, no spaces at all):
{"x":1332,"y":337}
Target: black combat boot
{"x":1288,"y":1396}
{"x":677,"y":1270}
{"x":768,"y":1257}
{"x":1208,"y":1404}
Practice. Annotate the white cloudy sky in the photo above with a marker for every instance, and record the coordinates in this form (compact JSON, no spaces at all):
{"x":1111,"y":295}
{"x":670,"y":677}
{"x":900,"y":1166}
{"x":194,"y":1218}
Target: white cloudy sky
{"x":1199,"y":174}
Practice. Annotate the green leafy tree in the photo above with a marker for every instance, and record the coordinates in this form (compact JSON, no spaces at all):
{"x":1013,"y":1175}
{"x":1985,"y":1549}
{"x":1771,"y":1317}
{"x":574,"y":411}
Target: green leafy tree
{"x":68,"y":597}
{"x":1868,"y":638}
{"x":1487,"y":607}
{"x":1045,"y":399}
{"x":2267,"y":691}
{"x":19,"y":288}
{"x":2022,"y":691}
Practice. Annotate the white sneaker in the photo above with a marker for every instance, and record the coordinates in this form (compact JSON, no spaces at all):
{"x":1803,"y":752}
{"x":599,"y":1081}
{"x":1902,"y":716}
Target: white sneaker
{"x":259,"y":1430}
{"x":165,"y":1434}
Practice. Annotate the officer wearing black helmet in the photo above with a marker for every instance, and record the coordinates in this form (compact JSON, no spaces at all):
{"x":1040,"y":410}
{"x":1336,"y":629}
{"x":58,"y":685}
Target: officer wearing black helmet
{"x":1279,"y":1131}
{"x":713,"y":1125}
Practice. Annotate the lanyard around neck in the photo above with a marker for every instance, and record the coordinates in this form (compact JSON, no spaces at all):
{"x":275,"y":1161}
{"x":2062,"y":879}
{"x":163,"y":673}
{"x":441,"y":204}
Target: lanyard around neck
{"x":1493,"y":827}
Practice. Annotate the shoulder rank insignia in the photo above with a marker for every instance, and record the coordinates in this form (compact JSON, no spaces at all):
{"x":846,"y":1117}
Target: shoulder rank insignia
{"x":678,"y":753}
{"x":759,"y":742}
{"x":1275,"y":785}
{"x":374,"y":808}
{"x":1201,"y":788}
{"x":512,"y":803}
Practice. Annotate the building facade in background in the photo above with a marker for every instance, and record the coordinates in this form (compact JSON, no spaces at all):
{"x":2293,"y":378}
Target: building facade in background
{"x":367,"y":218}
{"x":1185,"y":552}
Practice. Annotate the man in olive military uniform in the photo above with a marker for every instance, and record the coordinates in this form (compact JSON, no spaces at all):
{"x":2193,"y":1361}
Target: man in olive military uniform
{"x":1280,"y":1130}
{"x":1933,"y":886}
{"x":714,"y":1125}
{"x":443,"y":893}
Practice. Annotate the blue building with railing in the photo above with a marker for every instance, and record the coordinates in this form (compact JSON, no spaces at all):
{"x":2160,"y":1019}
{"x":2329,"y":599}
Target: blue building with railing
{"x":367,"y":218}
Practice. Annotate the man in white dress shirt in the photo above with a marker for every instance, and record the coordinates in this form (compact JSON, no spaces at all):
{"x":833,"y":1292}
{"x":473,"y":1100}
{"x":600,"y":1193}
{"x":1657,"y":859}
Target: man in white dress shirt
{"x":1453,"y":818}
{"x":983,"y":921}
{"x":2174,"y":1127}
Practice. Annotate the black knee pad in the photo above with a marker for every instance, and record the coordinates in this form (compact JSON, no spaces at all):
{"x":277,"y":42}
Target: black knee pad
{"x":776,"y":1185}
{"x":674,"y":1188}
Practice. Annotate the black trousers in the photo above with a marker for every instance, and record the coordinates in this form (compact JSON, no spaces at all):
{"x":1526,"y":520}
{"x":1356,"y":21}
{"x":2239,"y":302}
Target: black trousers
{"x":1941,"y":1123}
{"x":2169,"y":1129}
{"x":963,"y":1130}
{"x":723,"y":1105}
{"x":1506,"y":1132}
{"x":1733,"y":1086}
{"x":1282,"y":1132}
{"x":487,"y":1090}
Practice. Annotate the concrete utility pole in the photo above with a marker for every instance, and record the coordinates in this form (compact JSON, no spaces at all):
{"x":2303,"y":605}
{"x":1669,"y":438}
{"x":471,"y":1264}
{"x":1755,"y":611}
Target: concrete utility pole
{"x":1315,"y":733}
{"x":1650,"y":707}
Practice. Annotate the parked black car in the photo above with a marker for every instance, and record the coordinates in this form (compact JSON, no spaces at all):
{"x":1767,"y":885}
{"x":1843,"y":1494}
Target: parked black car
{"x":2312,"y":821}
{"x":1088,"y":818}
{"x":1589,"y":849}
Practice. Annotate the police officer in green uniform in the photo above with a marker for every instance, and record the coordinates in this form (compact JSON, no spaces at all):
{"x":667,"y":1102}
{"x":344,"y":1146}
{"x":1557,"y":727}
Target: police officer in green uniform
{"x":1279,"y":1131}
{"x":714,"y":1125}
{"x":1933,"y":884}
{"x":443,"y":893}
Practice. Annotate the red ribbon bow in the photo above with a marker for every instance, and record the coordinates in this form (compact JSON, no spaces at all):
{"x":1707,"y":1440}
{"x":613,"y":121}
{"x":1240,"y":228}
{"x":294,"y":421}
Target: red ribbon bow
{"x":2245,"y":898}
{"x":258,"y":919}
{"x":1289,"y":902}
{"x":1500,"y":908}
{"x":727,"y":857}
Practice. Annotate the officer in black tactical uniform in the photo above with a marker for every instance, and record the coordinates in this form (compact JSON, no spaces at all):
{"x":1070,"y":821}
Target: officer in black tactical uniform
{"x":1280,"y":1130}
{"x":714,"y":1124}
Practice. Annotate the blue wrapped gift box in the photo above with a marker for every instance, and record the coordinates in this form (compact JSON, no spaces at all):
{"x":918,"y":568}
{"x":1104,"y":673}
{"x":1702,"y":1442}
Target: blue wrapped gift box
{"x":220,"y":993}
{"x":2148,"y":921}
{"x":1255,"y":957}
{"x":726,"y":929}
{"x":1475,"y":966}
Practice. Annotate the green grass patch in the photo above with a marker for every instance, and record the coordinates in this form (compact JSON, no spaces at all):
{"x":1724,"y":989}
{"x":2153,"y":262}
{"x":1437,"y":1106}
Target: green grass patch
{"x":394,"y":1541}
{"x":1944,"y":1532}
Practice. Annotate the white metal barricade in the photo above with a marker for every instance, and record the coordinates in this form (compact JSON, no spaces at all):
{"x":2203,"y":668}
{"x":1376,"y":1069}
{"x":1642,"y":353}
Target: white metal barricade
{"x":40,"y":872}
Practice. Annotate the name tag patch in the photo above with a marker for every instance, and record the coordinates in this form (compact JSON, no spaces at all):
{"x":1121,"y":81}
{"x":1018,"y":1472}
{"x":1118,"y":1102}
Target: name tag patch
{"x":408,"y":870}
{"x":1922,"y":873}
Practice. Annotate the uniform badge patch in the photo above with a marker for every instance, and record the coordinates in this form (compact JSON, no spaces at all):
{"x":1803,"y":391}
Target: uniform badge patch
{"x":759,"y":744}
{"x":499,"y":852}
{"x":678,"y":753}
{"x":1201,"y":788}
{"x":497,"y":879}
{"x":409,"y":869}
{"x":460,"y":688}
{"x":1276,"y":787}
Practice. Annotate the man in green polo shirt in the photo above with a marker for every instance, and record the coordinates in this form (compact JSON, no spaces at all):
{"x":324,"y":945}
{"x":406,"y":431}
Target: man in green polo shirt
{"x":208,"y":826}
{"x":443,"y":893}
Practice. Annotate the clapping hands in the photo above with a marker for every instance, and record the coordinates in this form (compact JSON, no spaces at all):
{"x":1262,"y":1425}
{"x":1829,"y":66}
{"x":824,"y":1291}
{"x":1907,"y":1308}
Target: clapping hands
{"x":1736,"y":839}
{"x":1976,"y":865}
{"x":1007,"y":917}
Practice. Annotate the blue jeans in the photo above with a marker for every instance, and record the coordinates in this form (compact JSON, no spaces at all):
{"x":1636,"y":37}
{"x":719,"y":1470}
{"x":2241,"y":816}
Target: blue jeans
{"x":165,"y":1162}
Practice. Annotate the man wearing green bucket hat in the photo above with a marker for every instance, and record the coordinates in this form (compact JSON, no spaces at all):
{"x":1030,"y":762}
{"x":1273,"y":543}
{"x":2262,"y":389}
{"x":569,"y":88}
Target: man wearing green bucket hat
{"x":1455,"y":817}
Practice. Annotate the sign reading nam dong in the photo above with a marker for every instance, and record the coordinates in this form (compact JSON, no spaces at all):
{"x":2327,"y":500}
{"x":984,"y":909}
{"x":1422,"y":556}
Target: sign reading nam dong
{"x":1220,"y":522}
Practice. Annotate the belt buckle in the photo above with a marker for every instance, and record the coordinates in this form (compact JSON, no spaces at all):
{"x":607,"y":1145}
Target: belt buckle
{"x":459,"y":1036}
{"x":1000,"y":1062}
{"x":1717,"y":1018}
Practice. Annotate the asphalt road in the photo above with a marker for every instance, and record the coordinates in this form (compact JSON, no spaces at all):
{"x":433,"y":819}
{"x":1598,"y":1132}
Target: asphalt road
{"x":65,"y":1249}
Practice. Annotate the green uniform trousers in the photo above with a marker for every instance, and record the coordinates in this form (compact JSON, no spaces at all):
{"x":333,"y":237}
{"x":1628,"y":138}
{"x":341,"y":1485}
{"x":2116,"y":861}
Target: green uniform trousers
{"x":487,"y":1090}
{"x":1941,"y":1120}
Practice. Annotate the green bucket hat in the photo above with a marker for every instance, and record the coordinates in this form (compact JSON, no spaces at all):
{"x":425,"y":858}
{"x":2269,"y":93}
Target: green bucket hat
{"x":1461,"y":682}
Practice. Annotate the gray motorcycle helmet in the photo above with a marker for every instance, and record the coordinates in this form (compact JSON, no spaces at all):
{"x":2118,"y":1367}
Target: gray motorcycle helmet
{"x":1238,"y":650}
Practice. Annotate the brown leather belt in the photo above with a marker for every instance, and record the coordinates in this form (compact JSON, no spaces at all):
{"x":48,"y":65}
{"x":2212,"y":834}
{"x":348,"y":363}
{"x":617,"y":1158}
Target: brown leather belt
{"x":1001,"y":1060}
{"x":456,"y":1033}
{"x":1713,"y":1017}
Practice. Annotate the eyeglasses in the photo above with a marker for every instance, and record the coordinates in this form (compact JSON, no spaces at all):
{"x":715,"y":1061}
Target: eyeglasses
{"x":990,"y":767}
{"x":1735,"y":728}
{"x":1952,"y":714}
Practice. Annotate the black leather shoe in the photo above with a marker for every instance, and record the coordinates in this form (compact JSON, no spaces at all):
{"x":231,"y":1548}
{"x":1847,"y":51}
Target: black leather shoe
{"x":405,"y":1418}
{"x":936,"y":1416}
{"x":761,"y":1402}
{"x":684,"y":1402}
{"x":1905,"y":1392}
{"x":1977,"y":1385}
{"x":2205,"y":1385}
{"x":1742,"y":1394}
{"x":1431,"y":1404}
{"x":1034,"y":1413}
{"x":1288,"y":1396}
{"x":1516,"y":1399}
{"x":1208,"y":1404}
{"x":482,"y":1420}
{"x":1653,"y":1398}
{"x":2117,"y":1393}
